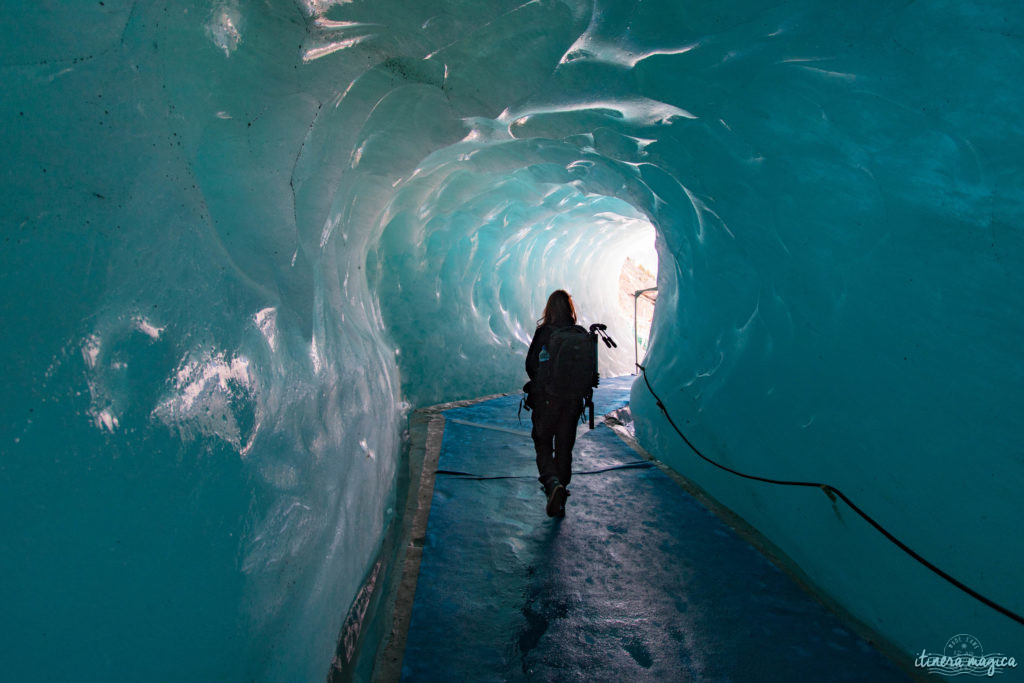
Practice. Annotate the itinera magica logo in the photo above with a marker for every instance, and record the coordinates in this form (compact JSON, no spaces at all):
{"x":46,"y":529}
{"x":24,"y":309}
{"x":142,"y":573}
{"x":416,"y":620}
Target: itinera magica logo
{"x":963,"y":654}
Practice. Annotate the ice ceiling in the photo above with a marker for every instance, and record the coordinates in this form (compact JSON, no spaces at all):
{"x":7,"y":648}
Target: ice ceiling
{"x":242,"y":239}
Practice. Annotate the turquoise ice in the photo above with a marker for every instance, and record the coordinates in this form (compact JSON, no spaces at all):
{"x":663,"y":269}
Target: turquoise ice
{"x":243,"y":239}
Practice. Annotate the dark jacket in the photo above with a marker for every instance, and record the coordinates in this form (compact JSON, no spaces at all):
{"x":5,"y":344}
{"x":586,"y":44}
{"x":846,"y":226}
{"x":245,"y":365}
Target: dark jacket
{"x":540,"y":339}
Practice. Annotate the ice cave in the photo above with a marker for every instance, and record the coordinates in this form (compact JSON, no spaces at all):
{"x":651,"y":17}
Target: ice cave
{"x":244,"y":240}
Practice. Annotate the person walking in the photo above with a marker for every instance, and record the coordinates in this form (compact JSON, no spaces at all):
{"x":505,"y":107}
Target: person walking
{"x":554,"y":416}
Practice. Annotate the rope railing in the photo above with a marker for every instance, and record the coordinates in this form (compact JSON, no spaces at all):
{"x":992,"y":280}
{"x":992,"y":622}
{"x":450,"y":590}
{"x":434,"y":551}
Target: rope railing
{"x":832,"y":492}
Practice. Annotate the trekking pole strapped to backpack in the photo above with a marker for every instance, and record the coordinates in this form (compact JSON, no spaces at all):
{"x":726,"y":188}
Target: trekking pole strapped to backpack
{"x":589,"y":402}
{"x":597,"y":329}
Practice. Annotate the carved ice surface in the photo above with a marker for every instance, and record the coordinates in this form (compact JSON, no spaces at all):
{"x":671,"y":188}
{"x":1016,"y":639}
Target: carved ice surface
{"x":242,"y":239}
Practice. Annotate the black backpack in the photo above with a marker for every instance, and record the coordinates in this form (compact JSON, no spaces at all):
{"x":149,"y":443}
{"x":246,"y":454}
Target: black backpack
{"x":572,"y":368}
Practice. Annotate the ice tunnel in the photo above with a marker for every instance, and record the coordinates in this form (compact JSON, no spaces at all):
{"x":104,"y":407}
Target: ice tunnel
{"x":242,"y":240}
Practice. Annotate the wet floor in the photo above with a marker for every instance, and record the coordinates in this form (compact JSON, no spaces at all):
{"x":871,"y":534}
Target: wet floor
{"x":639,"y":581}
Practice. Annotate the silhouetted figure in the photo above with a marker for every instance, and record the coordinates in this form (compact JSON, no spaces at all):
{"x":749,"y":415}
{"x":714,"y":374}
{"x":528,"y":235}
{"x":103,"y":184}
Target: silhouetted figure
{"x":554,"y":417}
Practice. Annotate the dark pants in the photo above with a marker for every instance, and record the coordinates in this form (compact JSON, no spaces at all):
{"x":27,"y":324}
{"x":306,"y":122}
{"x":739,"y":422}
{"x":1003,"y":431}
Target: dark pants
{"x":554,"y":434}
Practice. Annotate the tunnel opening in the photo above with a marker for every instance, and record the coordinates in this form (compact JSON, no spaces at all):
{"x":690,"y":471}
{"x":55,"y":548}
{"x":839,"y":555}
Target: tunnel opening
{"x":638,"y":291}
{"x":476,"y":237}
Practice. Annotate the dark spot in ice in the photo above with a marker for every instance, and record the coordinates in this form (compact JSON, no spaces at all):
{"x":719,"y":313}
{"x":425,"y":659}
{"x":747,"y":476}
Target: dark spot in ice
{"x":536,"y":625}
{"x":538,"y":613}
{"x":639,"y":652}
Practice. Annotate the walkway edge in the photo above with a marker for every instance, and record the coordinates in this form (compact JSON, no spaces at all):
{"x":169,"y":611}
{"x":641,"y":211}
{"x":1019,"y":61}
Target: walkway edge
{"x":431,"y":431}
{"x":426,"y":434}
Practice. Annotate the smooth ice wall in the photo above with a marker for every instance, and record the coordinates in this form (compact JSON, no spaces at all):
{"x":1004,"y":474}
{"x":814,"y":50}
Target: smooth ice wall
{"x":200,"y":424}
{"x":845,"y":297}
{"x":242,"y":238}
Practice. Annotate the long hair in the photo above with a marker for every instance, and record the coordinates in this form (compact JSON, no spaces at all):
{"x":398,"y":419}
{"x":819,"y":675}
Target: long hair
{"x":559,"y":309}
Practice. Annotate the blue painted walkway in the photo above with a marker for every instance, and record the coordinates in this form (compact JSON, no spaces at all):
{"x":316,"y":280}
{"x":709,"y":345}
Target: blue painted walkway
{"x":638,"y":582}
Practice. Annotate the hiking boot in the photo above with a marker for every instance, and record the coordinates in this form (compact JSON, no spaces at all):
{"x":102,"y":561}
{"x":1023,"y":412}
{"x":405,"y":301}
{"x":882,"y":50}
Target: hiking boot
{"x":556,"y":501}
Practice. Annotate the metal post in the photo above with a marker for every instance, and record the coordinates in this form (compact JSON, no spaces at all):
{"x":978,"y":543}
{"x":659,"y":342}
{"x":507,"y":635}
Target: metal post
{"x":636,"y":351}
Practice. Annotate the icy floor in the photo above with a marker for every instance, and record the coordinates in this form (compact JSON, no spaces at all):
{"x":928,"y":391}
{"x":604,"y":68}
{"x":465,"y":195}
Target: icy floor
{"x":638,"y":582}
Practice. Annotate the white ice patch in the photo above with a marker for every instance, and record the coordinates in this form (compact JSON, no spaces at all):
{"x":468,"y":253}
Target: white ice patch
{"x":315,"y":8}
{"x":266,"y":320}
{"x":367,"y":451}
{"x":329,"y":226}
{"x":325,"y":23}
{"x":330,"y":48}
{"x":589,"y":48}
{"x":640,"y":111}
{"x":314,"y":356}
{"x":106,"y":420}
{"x":147,"y":328}
{"x":100,"y":399}
{"x":91,"y":350}
{"x":206,"y":396}
{"x":223,"y":28}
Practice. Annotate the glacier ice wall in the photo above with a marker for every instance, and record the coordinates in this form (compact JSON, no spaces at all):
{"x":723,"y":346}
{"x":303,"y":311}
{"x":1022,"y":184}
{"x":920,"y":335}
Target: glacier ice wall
{"x":242,"y":238}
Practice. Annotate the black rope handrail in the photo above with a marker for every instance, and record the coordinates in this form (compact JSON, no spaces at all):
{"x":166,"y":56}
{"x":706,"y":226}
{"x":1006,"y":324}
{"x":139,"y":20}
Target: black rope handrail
{"x":832,"y":492}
